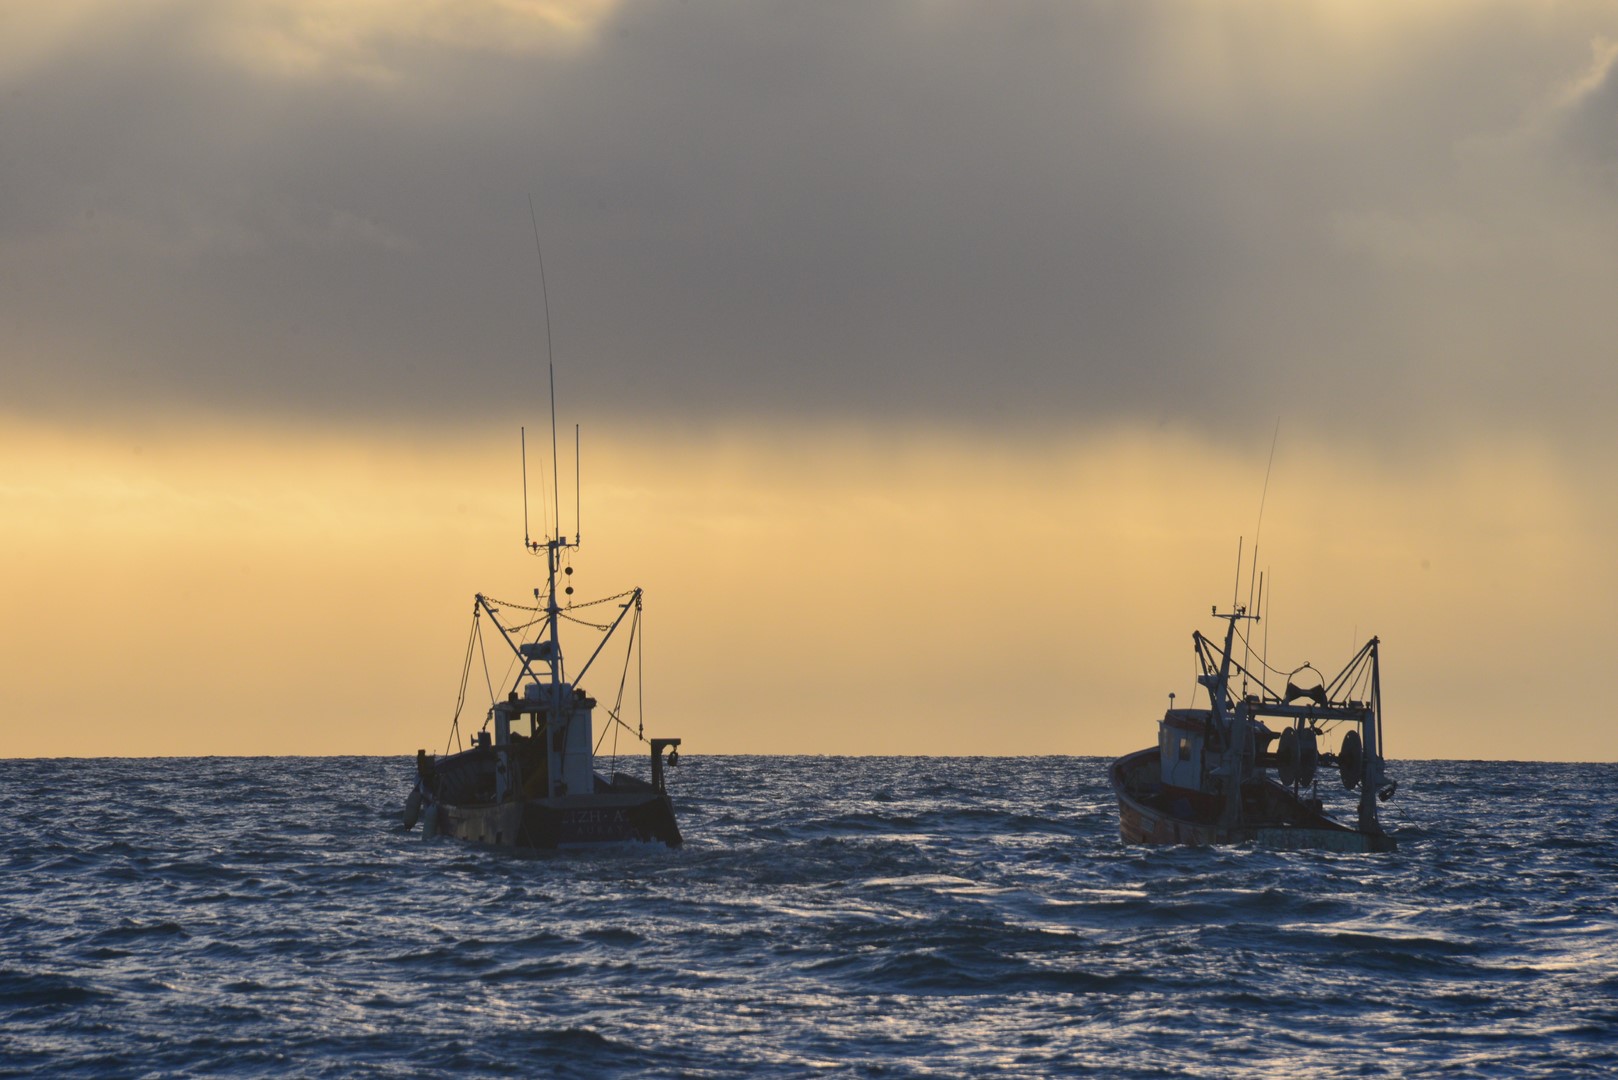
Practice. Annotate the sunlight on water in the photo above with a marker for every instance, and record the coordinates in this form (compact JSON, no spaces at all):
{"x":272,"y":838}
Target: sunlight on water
{"x":267,"y":916}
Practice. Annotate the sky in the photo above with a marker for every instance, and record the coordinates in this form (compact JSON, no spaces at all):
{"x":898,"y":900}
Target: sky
{"x":932,"y":361}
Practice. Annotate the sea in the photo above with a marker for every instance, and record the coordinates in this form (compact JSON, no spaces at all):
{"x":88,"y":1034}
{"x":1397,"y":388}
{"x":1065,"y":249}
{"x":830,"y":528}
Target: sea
{"x":827,"y":916}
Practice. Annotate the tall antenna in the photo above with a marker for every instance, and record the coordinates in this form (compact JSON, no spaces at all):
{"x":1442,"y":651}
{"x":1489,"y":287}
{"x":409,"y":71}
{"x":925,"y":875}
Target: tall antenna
{"x":1253,"y":577}
{"x":1263,"y":495}
{"x":526,"y":541}
{"x":556,"y":480}
{"x":578,"y":501}
{"x":1236,"y":589}
{"x":550,"y":360}
{"x":1266,"y":658}
{"x":1247,"y":645}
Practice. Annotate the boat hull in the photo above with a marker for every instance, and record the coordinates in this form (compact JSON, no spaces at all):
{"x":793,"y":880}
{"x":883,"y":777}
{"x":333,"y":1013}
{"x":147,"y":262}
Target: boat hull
{"x":1150,"y":814}
{"x":563,"y":822}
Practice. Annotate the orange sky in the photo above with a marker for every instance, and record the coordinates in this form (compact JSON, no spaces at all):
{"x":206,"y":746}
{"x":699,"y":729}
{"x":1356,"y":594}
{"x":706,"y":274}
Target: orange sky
{"x":249,"y":591}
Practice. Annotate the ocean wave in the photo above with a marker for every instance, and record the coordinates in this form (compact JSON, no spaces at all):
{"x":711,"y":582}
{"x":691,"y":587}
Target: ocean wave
{"x":838,"y":917}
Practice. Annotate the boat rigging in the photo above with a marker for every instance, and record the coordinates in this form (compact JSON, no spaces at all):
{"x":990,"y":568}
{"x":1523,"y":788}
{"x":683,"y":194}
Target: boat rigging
{"x":1221,"y":775}
{"x":528,"y":779}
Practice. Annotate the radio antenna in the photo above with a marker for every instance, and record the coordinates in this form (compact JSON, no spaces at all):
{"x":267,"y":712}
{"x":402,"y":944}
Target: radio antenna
{"x":578,"y":501}
{"x":523,"y":435}
{"x":1254,"y":579}
{"x":1263,"y":496}
{"x":550,"y":361}
{"x":1265,"y":659}
{"x":1236,"y":589}
{"x":556,"y":483}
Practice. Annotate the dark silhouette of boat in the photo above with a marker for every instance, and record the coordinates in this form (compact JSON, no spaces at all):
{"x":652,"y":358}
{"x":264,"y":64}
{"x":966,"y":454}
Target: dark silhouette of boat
{"x":1221,"y":775}
{"x":529,"y":779}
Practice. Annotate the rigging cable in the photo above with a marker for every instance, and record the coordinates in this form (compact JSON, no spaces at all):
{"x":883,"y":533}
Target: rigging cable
{"x":640,"y":676}
{"x":616,"y":711}
{"x":489,"y":682}
{"x":466,"y":674}
{"x":618,"y":703}
{"x":570,"y":607}
{"x":1262,"y":662}
{"x":507,"y":603}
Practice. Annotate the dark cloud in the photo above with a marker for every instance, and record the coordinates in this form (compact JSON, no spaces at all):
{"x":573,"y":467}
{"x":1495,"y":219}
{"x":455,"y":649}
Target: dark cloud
{"x":1589,"y":117}
{"x":1035,"y":214}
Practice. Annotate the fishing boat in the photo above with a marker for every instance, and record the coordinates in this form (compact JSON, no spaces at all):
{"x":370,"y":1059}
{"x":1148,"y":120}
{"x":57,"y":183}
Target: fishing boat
{"x":1222,"y":775}
{"x":529,"y":778}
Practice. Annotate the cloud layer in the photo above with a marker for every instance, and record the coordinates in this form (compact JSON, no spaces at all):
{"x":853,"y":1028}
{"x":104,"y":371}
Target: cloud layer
{"x":1383,"y":220}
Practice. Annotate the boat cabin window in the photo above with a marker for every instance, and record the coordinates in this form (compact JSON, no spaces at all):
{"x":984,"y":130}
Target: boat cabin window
{"x":1185,"y":748}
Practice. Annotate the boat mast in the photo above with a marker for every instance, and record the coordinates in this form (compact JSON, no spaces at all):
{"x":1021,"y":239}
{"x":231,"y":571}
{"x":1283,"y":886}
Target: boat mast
{"x":1235,"y":724}
{"x":1219,"y":686}
{"x":553,"y":610}
{"x":556,"y":542}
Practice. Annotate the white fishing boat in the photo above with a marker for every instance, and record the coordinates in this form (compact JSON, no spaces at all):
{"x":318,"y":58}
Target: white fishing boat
{"x":529,"y":778}
{"x":1221,"y":775}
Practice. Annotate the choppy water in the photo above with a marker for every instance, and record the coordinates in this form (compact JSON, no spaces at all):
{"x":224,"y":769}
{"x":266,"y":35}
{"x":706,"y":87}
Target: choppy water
{"x":837,"y":916}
